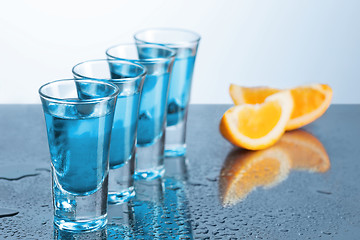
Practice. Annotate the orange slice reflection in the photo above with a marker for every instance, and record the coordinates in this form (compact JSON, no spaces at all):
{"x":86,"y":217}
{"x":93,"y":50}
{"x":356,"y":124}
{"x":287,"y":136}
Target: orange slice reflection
{"x":245,"y":170}
{"x":305,"y":150}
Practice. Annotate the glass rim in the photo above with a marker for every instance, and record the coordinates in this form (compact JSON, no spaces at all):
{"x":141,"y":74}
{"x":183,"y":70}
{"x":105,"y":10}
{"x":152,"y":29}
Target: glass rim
{"x":80,"y":101}
{"x":172,"y":44}
{"x":150,"y":60}
{"x":124,"y":80}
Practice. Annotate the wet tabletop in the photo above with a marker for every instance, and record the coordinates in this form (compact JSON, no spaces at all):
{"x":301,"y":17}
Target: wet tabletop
{"x":304,"y":187}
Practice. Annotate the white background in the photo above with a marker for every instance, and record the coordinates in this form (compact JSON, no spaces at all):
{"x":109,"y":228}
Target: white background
{"x":279,"y":43}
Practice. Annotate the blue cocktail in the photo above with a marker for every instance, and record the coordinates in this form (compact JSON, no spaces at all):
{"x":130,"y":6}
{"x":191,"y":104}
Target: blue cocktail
{"x":79,"y":117}
{"x":158,"y":61}
{"x":123,"y":138}
{"x":129,"y":78}
{"x":179,"y":93}
{"x":185,"y":43}
{"x":152,"y":109}
{"x":68,"y":137}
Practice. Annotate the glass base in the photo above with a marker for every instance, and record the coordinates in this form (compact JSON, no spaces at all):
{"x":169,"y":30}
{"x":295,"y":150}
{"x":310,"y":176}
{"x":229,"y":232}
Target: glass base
{"x":80,"y":226}
{"x":78,"y":213}
{"x":122,"y":197}
{"x":150,"y":160}
{"x":149,"y":174}
{"x":176,"y":150}
{"x":175,"y":145}
{"x":121,"y":182}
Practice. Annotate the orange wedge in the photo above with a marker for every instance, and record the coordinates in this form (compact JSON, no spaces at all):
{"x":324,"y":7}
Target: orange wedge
{"x":250,"y":95}
{"x":305,"y":150}
{"x":257,"y":126}
{"x":310,"y":101}
{"x":244,"y":170}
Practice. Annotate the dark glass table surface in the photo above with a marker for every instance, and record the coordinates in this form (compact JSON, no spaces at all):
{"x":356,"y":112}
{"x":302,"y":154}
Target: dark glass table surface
{"x":200,"y":196}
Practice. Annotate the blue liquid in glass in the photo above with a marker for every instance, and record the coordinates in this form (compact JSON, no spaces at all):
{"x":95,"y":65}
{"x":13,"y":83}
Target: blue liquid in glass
{"x":79,"y":152}
{"x":180,"y":86}
{"x":152,"y":109}
{"x":123,"y":136}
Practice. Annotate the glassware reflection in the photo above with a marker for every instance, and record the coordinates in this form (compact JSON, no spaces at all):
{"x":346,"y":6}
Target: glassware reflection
{"x":245,"y":170}
{"x":159,"y":209}
{"x":120,"y":220}
{"x":59,"y":234}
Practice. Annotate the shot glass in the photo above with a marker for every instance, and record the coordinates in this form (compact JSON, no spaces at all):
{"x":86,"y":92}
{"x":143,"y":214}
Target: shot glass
{"x":129,"y":78}
{"x":158,"y":61}
{"x":185,"y":43}
{"x":79,"y":117}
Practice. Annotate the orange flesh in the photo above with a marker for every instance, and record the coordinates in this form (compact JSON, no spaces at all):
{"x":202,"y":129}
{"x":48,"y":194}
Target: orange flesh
{"x":306,"y":101}
{"x":258,"y":95}
{"x":251,"y":122}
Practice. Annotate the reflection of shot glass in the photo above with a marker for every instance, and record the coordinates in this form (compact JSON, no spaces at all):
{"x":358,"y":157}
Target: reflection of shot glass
{"x":100,"y":234}
{"x":120,"y":219}
{"x":79,"y":117}
{"x":148,"y":208}
{"x":158,"y":61}
{"x":185,"y":43}
{"x":129,"y":78}
{"x":161,"y":205}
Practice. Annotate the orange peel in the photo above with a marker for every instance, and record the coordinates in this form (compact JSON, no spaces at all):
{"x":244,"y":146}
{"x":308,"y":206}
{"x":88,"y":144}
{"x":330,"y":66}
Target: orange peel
{"x":310,"y":101}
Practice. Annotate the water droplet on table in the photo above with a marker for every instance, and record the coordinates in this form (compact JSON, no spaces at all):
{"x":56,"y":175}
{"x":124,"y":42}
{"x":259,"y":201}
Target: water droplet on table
{"x":17,"y":172}
{"x":4,"y":212}
{"x":323,"y":192}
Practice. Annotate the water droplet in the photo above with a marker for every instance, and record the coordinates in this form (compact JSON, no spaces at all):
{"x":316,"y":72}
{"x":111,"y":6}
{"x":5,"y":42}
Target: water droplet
{"x":212,"y":179}
{"x":4,"y":212}
{"x":17,"y":172}
{"x":196,"y":184}
{"x":323,"y":192}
